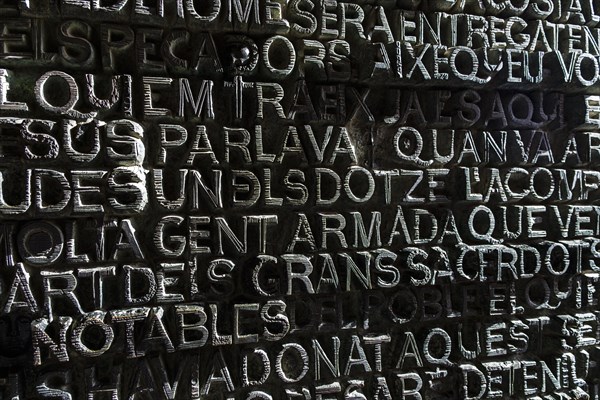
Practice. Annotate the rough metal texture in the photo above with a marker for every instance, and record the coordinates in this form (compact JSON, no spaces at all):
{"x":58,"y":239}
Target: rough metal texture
{"x":273,"y":199}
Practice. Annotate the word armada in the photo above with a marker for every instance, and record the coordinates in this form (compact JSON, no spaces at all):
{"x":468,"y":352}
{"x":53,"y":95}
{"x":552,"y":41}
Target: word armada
{"x":205,"y":374}
{"x":267,"y":199}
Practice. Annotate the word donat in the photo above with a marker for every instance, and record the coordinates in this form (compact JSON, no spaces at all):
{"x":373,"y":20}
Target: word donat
{"x":194,"y":328}
{"x":193,"y":382}
{"x":561,"y":377}
{"x":309,"y":365}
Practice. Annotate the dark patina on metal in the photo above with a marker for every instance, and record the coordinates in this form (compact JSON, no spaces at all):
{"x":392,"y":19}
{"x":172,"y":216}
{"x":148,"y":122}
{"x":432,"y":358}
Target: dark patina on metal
{"x":272,"y":199}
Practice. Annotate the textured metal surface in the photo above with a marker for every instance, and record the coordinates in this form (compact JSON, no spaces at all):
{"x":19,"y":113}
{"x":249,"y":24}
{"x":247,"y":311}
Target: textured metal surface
{"x":272,"y":199}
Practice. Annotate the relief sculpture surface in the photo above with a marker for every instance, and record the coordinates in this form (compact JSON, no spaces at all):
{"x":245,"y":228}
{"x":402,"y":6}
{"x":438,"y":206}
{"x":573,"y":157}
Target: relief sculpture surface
{"x":299,"y":199}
